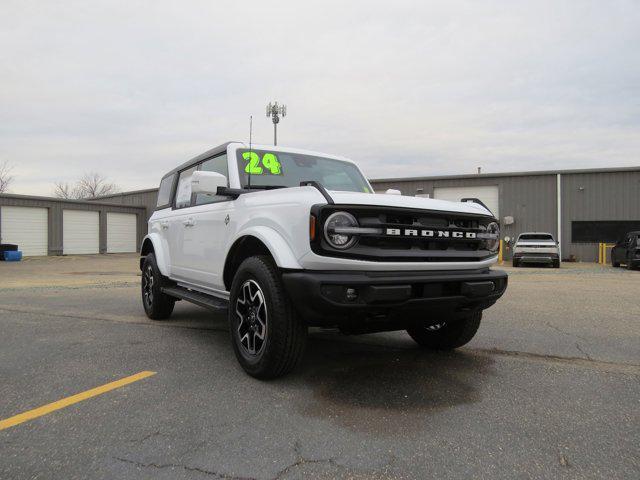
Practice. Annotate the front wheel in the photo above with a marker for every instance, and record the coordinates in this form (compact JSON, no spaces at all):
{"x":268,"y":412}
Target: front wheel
{"x":446,"y":336}
{"x":267,"y":335}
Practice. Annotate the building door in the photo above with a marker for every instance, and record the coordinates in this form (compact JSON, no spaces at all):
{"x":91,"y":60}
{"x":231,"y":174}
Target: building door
{"x":488,"y":194}
{"x":122,"y":232}
{"x":80,"y":232}
{"x":27,"y":227}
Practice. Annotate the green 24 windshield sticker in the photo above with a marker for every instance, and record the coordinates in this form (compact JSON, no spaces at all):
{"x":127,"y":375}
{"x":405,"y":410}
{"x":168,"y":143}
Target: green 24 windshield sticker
{"x":268,"y":165}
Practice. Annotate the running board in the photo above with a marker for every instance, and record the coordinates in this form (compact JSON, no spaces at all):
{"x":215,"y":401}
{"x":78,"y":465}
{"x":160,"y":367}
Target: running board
{"x":201,"y":299}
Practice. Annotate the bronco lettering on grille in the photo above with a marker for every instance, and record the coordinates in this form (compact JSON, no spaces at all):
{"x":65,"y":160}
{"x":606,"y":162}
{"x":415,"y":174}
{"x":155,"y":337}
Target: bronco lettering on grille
{"x":412,"y":232}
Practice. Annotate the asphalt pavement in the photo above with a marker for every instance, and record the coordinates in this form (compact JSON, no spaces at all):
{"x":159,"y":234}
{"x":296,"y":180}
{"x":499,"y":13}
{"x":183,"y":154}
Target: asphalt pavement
{"x":549,"y":388}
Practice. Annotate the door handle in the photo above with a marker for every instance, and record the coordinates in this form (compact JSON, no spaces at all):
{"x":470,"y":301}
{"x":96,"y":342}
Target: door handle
{"x":164,"y":225}
{"x":189,"y":222}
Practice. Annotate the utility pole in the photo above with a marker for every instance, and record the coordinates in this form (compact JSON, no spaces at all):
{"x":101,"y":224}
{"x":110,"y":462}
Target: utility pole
{"x":275,"y":111}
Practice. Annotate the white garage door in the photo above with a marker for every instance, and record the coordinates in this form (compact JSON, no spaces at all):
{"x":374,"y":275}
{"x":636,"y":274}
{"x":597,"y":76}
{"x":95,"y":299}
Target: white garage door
{"x":80,"y":232}
{"x":121,"y":232}
{"x":27,"y":227}
{"x":488,"y":194}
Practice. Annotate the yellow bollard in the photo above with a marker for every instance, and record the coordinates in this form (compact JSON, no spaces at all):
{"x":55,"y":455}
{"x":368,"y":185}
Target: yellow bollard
{"x":600,"y":253}
{"x":500,"y":260}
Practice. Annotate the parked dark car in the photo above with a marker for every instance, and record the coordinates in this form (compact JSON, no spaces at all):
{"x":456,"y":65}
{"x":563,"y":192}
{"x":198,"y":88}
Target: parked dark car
{"x":627,"y":251}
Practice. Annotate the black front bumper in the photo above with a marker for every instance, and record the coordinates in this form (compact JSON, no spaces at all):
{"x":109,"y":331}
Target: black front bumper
{"x":349,"y":299}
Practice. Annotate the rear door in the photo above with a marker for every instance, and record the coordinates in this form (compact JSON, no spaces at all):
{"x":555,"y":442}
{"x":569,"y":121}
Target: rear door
{"x":180,"y":231}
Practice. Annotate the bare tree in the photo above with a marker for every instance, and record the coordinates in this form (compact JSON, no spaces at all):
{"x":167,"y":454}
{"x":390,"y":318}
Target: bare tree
{"x":94,"y":184}
{"x":90,"y":185}
{"x":64,"y":190}
{"x":5,"y":176}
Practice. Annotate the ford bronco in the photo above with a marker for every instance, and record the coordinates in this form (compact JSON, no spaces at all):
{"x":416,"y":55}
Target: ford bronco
{"x":283,"y":239}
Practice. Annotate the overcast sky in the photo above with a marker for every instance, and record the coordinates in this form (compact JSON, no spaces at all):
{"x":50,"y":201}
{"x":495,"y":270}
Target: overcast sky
{"x":130,"y":89}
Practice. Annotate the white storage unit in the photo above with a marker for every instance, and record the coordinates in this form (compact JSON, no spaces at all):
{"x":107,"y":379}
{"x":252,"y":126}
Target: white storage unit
{"x":27,"y":227}
{"x":80,"y":232}
{"x":488,"y":194}
{"x":121,"y":232}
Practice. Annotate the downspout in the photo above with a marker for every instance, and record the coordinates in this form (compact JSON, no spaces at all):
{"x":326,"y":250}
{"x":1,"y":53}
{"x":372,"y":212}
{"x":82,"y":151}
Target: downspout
{"x":559,"y":213}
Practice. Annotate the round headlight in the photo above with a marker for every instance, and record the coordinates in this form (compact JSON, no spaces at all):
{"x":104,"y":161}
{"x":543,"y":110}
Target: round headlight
{"x":332,"y":233}
{"x":493,"y":237}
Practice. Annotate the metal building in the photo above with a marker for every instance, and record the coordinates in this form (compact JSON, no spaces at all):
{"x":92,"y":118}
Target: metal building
{"x":52,"y":226}
{"x":580,"y":207}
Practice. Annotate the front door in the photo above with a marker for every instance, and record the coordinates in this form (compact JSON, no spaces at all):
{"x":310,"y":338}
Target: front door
{"x":199,"y":230}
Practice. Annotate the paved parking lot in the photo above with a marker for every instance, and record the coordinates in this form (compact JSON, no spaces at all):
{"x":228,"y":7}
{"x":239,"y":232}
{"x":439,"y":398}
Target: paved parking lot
{"x":549,"y":388}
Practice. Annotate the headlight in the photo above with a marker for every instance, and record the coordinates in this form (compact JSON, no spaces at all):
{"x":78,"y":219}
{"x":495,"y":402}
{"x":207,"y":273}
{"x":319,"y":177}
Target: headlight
{"x":332,"y":230}
{"x":491,"y":237}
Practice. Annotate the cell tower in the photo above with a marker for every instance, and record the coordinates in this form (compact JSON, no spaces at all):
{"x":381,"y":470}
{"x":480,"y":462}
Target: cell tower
{"x":276,"y":111}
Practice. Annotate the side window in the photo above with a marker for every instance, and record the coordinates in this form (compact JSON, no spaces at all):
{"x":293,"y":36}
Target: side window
{"x":183,"y":192}
{"x":164,"y":192}
{"x":219,"y":165}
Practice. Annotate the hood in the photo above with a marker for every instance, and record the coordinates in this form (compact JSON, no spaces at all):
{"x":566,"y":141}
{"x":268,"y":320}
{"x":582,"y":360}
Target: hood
{"x":402,"y":201}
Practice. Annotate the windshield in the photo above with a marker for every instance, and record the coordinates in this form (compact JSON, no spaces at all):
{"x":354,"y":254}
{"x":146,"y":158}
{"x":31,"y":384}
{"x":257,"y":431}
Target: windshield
{"x":284,"y":169}
{"x":536,"y":236}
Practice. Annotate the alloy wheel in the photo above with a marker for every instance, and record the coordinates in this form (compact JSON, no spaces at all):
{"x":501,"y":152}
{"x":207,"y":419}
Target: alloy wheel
{"x":251,"y":309}
{"x":147,"y":286}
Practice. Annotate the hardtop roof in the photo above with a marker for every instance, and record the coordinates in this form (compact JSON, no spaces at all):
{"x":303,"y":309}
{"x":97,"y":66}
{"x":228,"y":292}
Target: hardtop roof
{"x":203,"y":156}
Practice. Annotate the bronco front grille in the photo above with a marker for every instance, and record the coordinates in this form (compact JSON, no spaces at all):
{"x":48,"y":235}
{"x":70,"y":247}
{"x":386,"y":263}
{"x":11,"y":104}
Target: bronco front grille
{"x":416,"y":236}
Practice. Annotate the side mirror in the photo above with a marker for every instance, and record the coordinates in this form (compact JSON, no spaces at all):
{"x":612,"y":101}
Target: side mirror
{"x":393,"y":191}
{"x":207,"y":182}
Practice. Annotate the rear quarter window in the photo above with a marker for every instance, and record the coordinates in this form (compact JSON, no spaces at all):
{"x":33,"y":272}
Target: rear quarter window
{"x":164,"y":192}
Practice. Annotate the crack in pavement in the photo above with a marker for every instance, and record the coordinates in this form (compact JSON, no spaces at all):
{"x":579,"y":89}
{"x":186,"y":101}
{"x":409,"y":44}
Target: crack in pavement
{"x":569,"y":334}
{"x":302,"y":460}
{"x":161,"y":466}
{"x":583,"y":352}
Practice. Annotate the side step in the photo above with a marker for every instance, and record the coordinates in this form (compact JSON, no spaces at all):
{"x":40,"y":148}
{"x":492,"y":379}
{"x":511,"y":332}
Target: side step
{"x":201,"y":299}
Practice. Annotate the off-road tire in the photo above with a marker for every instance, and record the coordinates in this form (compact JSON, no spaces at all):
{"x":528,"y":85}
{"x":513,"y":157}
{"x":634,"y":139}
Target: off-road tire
{"x":515,"y":263}
{"x":159,"y":305}
{"x":451,"y":336}
{"x":286,"y":335}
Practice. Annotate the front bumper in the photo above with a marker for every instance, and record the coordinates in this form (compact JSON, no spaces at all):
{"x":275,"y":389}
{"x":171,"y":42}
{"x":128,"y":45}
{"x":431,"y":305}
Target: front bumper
{"x":351,"y":299}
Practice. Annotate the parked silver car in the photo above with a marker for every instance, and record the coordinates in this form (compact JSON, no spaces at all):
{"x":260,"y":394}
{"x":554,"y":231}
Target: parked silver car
{"x":536,"y":247}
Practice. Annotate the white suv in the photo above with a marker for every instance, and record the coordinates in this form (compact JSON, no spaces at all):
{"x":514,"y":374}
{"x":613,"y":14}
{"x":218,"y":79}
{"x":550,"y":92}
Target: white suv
{"x":536,"y":247}
{"x":284,"y":239}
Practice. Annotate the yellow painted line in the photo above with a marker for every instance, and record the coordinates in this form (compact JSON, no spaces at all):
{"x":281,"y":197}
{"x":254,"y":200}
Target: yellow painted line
{"x":65,"y":402}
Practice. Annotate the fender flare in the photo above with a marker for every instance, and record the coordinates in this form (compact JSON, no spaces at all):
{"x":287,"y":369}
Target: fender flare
{"x":162,"y":258}
{"x":278,"y":247}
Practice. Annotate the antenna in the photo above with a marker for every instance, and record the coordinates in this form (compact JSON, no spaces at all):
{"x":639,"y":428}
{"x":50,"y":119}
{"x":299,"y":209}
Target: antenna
{"x":250,"y":138}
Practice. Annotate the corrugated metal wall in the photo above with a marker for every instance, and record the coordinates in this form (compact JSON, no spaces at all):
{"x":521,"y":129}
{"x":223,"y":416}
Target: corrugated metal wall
{"x":142,"y":198}
{"x":532,"y":201}
{"x":56,"y":207}
{"x":597,"y":196}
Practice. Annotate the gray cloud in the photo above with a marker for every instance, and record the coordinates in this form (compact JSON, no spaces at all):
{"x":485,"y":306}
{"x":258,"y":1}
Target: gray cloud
{"x":408,"y":88}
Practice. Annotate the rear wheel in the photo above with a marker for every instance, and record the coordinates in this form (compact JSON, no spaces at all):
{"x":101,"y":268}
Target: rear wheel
{"x":157,"y":305}
{"x":267,"y":336}
{"x":515,"y":263}
{"x":446,"y":336}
